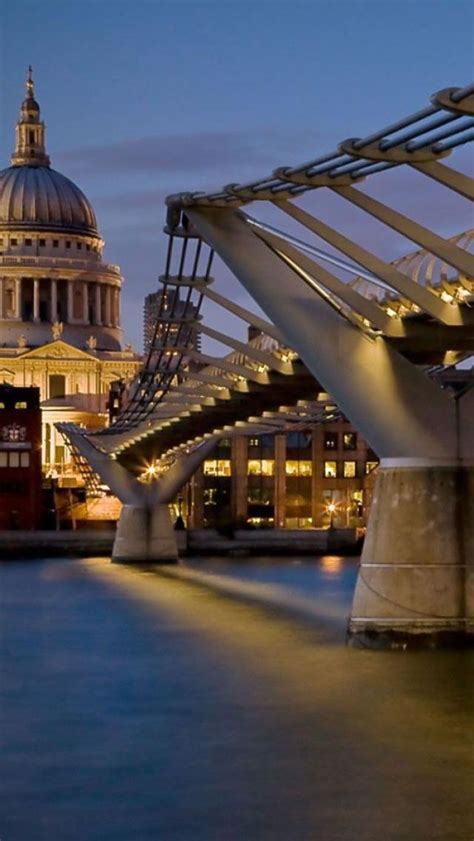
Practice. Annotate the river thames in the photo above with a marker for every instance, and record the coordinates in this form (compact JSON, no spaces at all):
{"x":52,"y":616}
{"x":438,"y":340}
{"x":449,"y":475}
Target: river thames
{"x":218,"y":702}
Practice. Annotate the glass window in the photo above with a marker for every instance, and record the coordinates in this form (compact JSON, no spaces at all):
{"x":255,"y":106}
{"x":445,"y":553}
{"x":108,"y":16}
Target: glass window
{"x":330,"y":469}
{"x":330,"y":440}
{"x":24,"y":459}
{"x":369,"y":466}
{"x":298,"y":468}
{"x":68,"y":244}
{"x":350,"y":469}
{"x":55,"y":243}
{"x":14,"y":459}
{"x":217,"y":467}
{"x":42,"y":243}
{"x":13,"y":241}
{"x":27,"y":241}
{"x":261,"y":467}
{"x":21,"y":405}
{"x":3,"y":459}
{"x":349,"y":441}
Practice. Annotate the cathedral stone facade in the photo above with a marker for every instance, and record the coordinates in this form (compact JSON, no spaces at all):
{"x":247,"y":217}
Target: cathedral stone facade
{"x":59,"y":302}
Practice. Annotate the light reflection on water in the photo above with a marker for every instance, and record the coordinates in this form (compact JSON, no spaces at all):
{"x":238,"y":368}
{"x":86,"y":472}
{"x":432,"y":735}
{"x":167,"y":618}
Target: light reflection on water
{"x":139,"y":704}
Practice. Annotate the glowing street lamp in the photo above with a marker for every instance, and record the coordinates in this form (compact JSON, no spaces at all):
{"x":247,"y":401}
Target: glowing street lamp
{"x":331,"y":509}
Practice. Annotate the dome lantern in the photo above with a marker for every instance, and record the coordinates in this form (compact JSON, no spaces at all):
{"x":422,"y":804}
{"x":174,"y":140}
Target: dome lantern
{"x":30,"y":131}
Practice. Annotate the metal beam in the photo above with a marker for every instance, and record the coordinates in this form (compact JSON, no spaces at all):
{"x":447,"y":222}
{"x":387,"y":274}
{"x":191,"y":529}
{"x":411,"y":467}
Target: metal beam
{"x":231,"y":367}
{"x":402,"y":414}
{"x":365,"y":308}
{"x":433,"y":243}
{"x":250,"y":317}
{"x":262,"y":356}
{"x":419,"y":295}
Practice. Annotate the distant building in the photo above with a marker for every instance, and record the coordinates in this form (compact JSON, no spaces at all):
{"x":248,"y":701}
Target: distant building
{"x":167,"y":304}
{"x":320,"y":474}
{"x":20,"y":458}
{"x":59,"y":302}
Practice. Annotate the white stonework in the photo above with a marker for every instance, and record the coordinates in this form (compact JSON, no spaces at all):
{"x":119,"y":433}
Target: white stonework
{"x":59,"y":303}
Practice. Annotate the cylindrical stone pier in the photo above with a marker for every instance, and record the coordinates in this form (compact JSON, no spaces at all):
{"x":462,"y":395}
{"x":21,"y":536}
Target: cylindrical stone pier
{"x":416,"y":580}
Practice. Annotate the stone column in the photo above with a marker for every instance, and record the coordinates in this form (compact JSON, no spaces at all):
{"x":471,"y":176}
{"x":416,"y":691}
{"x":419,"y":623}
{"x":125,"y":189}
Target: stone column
{"x":18,"y":282}
{"x":70,"y":301}
{"x":117,"y":307}
{"x":85,"y":302}
{"x":108,"y":308}
{"x":98,"y":305}
{"x":54,"y":300}
{"x":1,"y":297}
{"x":36,"y":291}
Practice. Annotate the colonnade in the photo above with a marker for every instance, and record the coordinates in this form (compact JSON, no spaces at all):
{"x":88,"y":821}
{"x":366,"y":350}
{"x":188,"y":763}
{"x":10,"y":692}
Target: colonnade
{"x":86,"y":302}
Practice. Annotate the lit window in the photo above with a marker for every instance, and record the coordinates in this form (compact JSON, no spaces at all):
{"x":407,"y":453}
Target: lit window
{"x":350,"y":469}
{"x":330,"y":469}
{"x":330,"y":441}
{"x":298,"y":468}
{"x":349,"y":441}
{"x":24,"y":459}
{"x":3,"y":459}
{"x":253,"y":442}
{"x":21,"y":405}
{"x":217,"y":467}
{"x":369,"y":466}
{"x":261,"y":467}
{"x":2,"y":405}
{"x":14,"y":459}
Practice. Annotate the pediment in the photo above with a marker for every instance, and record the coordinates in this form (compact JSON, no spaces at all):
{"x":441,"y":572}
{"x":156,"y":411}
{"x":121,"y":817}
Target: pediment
{"x":58,"y":349}
{"x":6,"y":376}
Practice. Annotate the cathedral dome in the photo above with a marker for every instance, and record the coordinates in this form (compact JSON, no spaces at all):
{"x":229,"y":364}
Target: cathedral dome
{"x":52,"y":278}
{"x":41,"y":198}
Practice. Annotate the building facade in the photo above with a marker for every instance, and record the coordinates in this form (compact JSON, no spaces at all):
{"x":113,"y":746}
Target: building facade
{"x":314,"y":477}
{"x":20,"y":458}
{"x":168,"y":305}
{"x":59,"y":302}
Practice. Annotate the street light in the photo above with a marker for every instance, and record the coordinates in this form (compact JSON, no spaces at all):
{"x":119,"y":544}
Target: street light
{"x":331,"y":509}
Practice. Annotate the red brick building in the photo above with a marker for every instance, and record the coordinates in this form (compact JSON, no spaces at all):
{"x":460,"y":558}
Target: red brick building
{"x":20,"y":458}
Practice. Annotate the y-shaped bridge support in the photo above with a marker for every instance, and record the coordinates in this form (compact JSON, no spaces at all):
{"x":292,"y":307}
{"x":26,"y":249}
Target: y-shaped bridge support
{"x":416,"y":580}
{"x":145,"y":532}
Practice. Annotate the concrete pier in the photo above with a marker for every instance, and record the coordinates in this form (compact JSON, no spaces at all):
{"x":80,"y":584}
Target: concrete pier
{"x":145,"y":535}
{"x":416,"y":579}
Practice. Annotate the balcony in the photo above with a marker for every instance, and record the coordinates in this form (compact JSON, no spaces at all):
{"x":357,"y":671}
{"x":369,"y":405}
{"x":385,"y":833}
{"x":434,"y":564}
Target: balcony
{"x":60,"y":263}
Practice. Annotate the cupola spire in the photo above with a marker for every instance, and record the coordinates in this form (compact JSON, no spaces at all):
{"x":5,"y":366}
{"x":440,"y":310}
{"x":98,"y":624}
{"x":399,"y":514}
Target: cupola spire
{"x":30,"y":131}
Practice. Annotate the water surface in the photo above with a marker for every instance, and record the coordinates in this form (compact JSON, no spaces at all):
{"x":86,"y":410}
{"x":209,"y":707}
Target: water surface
{"x":219,"y":703}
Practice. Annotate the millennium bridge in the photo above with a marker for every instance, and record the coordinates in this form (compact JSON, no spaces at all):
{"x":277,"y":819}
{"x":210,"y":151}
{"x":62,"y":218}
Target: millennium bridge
{"x":343,"y":331}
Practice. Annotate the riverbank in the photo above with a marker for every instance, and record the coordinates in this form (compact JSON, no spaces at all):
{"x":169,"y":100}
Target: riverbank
{"x":80,"y":543}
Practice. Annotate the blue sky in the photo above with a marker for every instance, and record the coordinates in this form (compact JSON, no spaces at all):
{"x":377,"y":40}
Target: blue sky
{"x":147,"y":98}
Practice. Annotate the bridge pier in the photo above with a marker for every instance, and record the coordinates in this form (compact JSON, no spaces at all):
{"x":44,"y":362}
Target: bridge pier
{"x":145,"y":532}
{"x":145,"y":535}
{"x":416,"y":580}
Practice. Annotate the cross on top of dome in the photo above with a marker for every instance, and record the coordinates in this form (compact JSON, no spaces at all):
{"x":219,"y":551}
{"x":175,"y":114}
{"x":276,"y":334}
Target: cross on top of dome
{"x":30,"y":131}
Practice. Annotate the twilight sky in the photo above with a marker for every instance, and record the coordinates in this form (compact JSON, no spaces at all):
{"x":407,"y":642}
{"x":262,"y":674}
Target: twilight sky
{"x":148,"y":98}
